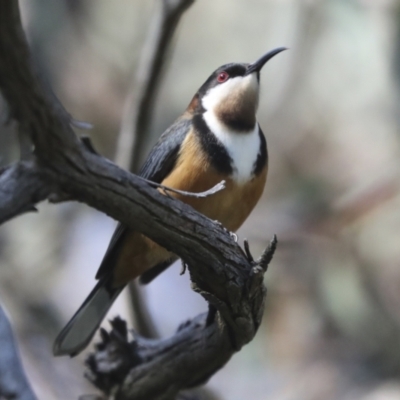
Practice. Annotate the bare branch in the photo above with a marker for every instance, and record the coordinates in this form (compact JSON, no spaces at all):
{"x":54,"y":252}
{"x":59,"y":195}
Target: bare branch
{"x":13,"y":382}
{"x":142,"y":319}
{"x":140,"y":102}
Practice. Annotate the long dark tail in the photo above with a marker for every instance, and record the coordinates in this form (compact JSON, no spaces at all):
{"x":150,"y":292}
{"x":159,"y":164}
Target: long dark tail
{"x":80,"y":329}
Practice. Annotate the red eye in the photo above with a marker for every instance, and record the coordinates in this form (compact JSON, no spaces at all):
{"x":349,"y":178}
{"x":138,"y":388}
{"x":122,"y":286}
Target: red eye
{"x":222,"y":77}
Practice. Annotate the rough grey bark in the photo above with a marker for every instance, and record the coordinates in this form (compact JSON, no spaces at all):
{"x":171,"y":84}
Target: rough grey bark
{"x":220,"y":270}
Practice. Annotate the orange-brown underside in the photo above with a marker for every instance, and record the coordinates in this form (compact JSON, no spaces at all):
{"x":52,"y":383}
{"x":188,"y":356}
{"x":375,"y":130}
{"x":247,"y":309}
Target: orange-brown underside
{"x":193,"y":173}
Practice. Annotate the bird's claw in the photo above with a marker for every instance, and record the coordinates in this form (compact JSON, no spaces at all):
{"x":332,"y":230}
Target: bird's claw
{"x":183,"y":269}
{"x":231,"y":234}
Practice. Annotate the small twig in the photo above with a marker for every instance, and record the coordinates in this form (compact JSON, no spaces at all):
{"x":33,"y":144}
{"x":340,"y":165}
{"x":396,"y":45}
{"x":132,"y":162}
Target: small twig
{"x":142,"y":318}
{"x":267,"y":254}
{"x":13,"y":382}
{"x":265,"y":258}
{"x":247,"y":251}
{"x":215,"y":189}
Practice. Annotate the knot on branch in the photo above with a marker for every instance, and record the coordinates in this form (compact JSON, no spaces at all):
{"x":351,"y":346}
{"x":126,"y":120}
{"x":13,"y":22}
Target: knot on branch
{"x":148,"y":368}
{"x":114,"y":356}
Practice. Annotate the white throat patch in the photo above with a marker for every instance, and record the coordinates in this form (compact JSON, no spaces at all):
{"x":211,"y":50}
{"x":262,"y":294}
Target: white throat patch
{"x":219,"y":93}
{"x":243,"y":148}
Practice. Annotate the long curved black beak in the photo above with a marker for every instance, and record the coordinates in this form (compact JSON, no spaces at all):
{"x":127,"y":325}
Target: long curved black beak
{"x":256,"y":66}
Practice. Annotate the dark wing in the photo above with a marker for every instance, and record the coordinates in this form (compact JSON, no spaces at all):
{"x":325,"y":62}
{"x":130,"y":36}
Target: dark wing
{"x":156,"y":168}
{"x":163,"y":156}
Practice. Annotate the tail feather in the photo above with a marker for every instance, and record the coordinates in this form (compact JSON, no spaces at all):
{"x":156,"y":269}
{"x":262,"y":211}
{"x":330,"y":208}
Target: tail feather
{"x":81,"y":328}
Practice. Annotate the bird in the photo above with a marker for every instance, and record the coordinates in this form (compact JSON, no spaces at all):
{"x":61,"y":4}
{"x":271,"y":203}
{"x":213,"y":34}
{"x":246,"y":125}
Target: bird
{"x":216,"y":138}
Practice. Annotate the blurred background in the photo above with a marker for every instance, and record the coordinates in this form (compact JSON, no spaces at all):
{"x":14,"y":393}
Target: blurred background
{"x":330,"y":110}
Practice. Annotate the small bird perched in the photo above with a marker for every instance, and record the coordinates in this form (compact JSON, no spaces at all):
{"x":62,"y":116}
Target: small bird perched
{"x":217,"y":138}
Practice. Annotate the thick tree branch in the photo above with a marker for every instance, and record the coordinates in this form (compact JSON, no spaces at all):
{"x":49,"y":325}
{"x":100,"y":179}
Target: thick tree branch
{"x":219,"y":269}
{"x":13,"y":382}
